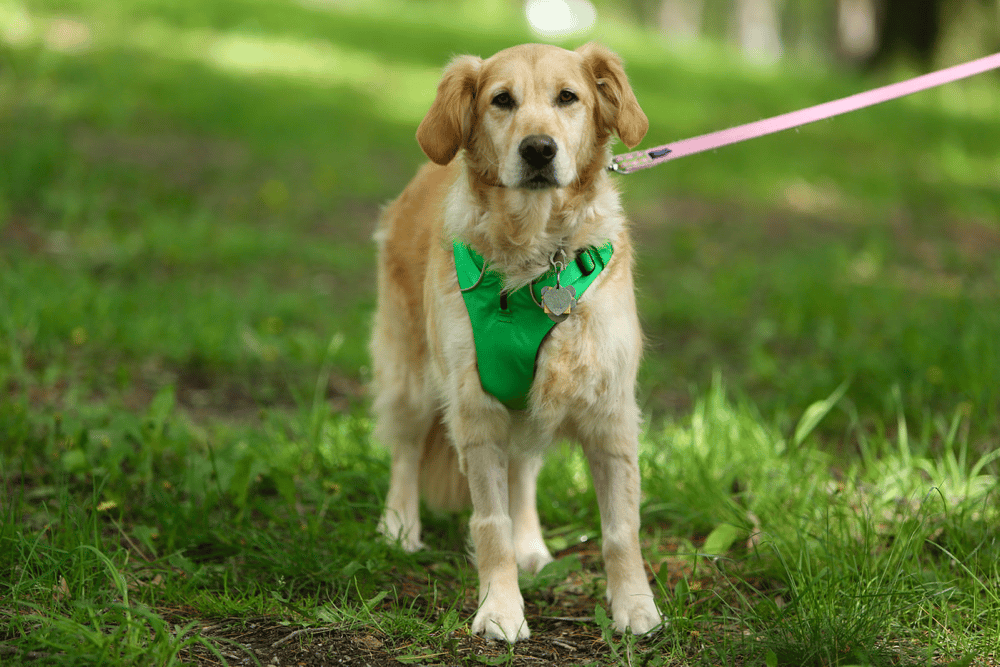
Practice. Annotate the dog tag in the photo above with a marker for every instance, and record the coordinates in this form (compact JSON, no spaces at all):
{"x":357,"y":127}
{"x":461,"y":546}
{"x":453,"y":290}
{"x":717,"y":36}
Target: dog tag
{"x":558,"y":302}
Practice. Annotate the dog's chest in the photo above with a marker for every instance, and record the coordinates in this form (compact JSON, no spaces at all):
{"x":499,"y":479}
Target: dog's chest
{"x":510,"y":328}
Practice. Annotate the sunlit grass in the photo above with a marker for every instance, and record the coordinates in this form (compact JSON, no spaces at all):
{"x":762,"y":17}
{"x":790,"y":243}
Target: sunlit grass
{"x":396,"y":90}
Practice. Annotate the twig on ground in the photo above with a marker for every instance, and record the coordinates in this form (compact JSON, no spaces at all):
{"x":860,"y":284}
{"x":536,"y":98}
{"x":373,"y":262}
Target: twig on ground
{"x":303,"y":631}
{"x":568,"y":647}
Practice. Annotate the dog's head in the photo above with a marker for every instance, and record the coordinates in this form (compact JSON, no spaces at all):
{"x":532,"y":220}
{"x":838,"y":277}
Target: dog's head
{"x":532,"y":116}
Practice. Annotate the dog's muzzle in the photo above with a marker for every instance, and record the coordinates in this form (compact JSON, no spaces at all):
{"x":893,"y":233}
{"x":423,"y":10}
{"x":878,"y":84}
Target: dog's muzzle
{"x":537,"y":153}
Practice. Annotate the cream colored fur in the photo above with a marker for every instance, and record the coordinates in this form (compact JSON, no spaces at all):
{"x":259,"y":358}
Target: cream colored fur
{"x":430,"y":407}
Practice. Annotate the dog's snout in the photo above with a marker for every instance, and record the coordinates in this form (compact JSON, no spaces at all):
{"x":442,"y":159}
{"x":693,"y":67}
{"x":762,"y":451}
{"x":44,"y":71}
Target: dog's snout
{"x":538,"y":150}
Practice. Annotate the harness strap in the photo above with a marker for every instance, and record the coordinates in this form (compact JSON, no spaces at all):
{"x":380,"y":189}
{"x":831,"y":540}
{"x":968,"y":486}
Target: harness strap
{"x":510,"y":327}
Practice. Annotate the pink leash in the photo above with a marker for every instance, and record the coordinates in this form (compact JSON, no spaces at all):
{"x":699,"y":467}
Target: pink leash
{"x":626,"y":163}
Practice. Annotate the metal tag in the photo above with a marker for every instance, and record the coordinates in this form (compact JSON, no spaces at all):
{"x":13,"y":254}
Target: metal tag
{"x":558,"y":302}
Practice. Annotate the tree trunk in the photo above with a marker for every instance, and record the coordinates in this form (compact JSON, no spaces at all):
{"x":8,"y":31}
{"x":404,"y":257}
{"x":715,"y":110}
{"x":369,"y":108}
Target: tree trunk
{"x":758,"y":30}
{"x":908,"y":28}
{"x":857,"y":29}
{"x":681,"y":19}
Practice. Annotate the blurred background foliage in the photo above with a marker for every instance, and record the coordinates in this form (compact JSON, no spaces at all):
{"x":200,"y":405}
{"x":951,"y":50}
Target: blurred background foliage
{"x":866,"y":33}
{"x":189,"y":188}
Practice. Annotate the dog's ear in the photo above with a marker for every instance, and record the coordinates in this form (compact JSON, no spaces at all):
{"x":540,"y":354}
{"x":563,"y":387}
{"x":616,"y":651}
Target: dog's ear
{"x":445,"y":127}
{"x":618,"y":108}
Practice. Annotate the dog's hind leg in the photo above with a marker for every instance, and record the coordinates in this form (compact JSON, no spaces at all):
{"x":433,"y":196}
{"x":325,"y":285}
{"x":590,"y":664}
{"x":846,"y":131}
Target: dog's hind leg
{"x":401,"y":519}
{"x":404,"y":417}
{"x":529,"y":546}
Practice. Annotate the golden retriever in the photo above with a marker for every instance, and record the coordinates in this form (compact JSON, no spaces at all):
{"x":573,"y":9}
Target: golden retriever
{"x":519,"y":144}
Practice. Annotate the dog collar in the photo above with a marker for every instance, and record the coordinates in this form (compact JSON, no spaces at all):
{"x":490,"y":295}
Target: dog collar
{"x":510,"y":327}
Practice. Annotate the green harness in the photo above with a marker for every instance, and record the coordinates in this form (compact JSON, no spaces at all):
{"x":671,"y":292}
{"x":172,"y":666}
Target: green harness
{"x":509,"y":327}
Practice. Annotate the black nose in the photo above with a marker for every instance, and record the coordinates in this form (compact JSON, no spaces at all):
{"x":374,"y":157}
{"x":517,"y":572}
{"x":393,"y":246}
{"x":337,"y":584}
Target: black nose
{"x":538,"y":150}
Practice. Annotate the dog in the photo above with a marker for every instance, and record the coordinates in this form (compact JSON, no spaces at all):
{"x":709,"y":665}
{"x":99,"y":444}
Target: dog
{"x":515,"y":194}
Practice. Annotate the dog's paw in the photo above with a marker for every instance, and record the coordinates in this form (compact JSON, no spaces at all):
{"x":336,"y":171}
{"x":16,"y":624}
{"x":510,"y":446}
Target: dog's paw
{"x":637,"y":613}
{"x":532,"y":555}
{"x":393,"y":530}
{"x":501,"y":620}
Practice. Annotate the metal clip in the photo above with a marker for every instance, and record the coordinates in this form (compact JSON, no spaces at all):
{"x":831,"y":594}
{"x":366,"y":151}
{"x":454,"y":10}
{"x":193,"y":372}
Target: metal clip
{"x":558,"y":261}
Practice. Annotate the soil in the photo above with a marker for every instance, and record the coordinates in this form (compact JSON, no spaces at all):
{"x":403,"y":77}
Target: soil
{"x":553,"y":642}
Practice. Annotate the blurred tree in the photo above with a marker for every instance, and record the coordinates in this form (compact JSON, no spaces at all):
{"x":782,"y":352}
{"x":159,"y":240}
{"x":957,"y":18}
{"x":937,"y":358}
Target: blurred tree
{"x":971,"y":29}
{"x":810,"y":27}
{"x":857,"y":30}
{"x":752,"y":24}
{"x":758,"y":31}
{"x":908,"y":28}
{"x":870,"y":33}
{"x":681,"y":19}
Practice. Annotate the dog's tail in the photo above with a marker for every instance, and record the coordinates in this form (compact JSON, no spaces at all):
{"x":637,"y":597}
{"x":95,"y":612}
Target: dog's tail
{"x":442,"y":484}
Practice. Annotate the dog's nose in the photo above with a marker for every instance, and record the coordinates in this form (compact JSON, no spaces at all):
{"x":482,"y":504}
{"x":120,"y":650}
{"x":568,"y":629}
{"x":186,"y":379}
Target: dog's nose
{"x":538,"y":150}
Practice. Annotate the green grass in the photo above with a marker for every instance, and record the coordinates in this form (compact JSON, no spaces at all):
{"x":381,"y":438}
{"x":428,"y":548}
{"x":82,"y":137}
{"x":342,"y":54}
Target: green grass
{"x":187,"y":192}
{"x":759,"y":550}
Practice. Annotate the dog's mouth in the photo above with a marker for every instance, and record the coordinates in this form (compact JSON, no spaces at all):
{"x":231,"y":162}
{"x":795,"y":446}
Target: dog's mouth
{"x":539,"y":179}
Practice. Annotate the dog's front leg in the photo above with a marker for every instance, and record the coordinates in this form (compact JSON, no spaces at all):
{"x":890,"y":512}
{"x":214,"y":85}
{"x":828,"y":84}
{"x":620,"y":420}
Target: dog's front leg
{"x":501,"y":607}
{"x":614,"y":466}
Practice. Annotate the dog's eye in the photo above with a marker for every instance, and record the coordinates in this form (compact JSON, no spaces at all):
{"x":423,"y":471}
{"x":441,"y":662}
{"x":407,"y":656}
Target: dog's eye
{"x":503,"y":100}
{"x":567,"y":97}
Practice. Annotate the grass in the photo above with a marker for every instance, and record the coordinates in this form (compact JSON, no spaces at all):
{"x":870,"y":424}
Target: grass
{"x":186,"y":201}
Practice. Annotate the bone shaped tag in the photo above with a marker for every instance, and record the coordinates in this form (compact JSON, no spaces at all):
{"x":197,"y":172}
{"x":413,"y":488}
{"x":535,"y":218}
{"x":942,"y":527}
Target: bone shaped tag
{"x":558,"y":302}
